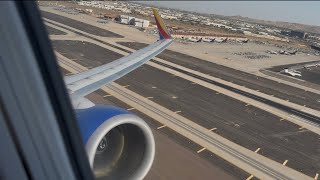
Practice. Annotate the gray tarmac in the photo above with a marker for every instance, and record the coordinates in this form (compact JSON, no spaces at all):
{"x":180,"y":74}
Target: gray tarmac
{"x":251,"y":81}
{"x":80,"y":25}
{"x":242,"y":124}
{"x":54,"y":31}
{"x":311,"y":74}
{"x":163,"y":150}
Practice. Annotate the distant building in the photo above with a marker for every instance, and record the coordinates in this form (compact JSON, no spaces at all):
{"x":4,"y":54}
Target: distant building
{"x":130,"y":20}
{"x":123,"y":19}
{"x":298,"y":34}
{"x":285,"y":33}
{"x":141,"y":23}
{"x":315,"y":46}
{"x":183,"y":35}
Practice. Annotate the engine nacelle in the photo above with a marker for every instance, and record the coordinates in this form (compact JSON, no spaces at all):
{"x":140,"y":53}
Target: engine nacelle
{"x":119,"y":144}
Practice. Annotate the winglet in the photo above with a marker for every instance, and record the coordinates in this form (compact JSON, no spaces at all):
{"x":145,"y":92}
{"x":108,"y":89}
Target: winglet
{"x":163,"y":31}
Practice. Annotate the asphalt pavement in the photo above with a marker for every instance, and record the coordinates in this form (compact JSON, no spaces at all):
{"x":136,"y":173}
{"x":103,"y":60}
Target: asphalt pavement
{"x":80,"y":25}
{"x":241,"y":123}
{"x":54,"y":31}
{"x":251,"y":81}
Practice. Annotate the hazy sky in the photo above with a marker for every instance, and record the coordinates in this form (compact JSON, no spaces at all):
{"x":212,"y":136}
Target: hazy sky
{"x":304,"y":12}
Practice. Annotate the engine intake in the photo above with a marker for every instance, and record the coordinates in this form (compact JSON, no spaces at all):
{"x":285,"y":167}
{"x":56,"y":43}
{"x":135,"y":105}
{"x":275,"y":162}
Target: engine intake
{"x":119,"y":144}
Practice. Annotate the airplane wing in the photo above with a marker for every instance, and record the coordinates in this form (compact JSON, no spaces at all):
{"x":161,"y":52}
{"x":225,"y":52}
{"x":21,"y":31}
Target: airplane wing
{"x":87,"y":82}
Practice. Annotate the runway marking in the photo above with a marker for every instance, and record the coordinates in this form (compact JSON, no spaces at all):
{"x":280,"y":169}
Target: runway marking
{"x":285,"y":162}
{"x":153,"y":87}
{"x":301,"y":128}
{"x":150,"y":97}
{"x":174,"y":97}
{"x":250,"y":177}
{"x":257,"y":90}
{"x":201,"y":150}
{"x":108,"y":95}
{"x":126,"y":86}
{"x":257,"y":150}
{"x":212,"y":129}
{"x":316,"y":176}
{"x":272,"y":95}
{"x":247,"y":104}
{"x":177,"y":112}
{"x":130,"y":109}
{"x":160,"y":127}
{"x":282,"y":119}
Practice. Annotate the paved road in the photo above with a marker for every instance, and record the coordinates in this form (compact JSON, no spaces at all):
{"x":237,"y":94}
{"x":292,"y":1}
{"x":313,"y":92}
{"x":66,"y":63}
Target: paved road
{"x":53,"y":31}
{"x":246,"y":125}
{"x":265,"y":85}
{"x":250,"y":161}
{"x":80,"y":25}
{"x":311,"y":74}
{"x":186,"y":164}
{"x":171,"y":144}
{"x":264,"y":98}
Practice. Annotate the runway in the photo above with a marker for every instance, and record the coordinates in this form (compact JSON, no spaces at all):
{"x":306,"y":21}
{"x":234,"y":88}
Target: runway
{"x":212,"y":105}
{"x":246,"y":125}
{"x":252,"y":162}
{"x":171,"y":144}
{"x":285,"y":92}
{"x":310,"y":74}
{"x":79,"y":25}
{"x":239,"y":77}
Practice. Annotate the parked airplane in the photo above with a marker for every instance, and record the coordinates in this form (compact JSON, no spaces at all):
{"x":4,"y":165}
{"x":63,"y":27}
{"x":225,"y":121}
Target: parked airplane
{"x":292,"y":72}
{"x":287,"y":52}
{"x":117,"y":141}
{"x":208,"y":40}
{"x":221,"y":40}
{"x":272,"y":52}
{"x":242,"y":40}
{"x":194,"y":39}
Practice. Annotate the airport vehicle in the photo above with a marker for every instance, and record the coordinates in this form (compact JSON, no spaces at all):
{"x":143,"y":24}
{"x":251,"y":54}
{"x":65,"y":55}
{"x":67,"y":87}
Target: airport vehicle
{"x":42,"y":139}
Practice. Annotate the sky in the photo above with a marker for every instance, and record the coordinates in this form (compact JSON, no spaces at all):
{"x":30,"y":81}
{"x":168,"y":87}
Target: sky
{"x":304,"y":12}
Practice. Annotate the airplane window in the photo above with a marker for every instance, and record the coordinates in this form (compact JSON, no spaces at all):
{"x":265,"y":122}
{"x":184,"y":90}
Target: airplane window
{"x":192,"y":90}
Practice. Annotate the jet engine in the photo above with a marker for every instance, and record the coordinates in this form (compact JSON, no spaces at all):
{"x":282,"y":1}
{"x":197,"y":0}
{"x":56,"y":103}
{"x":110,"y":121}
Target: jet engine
{"x":119,"y":144}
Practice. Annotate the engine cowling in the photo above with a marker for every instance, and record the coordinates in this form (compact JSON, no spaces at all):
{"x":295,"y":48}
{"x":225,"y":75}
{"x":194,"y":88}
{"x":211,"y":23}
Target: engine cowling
{"x":119,"y":144}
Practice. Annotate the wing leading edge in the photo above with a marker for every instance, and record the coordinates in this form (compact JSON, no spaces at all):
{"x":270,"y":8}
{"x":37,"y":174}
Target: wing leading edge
{"x":87,"y":82}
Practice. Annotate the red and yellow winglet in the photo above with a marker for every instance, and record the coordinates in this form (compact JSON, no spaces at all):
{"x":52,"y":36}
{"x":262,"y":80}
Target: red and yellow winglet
{"x":163,"y":31}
